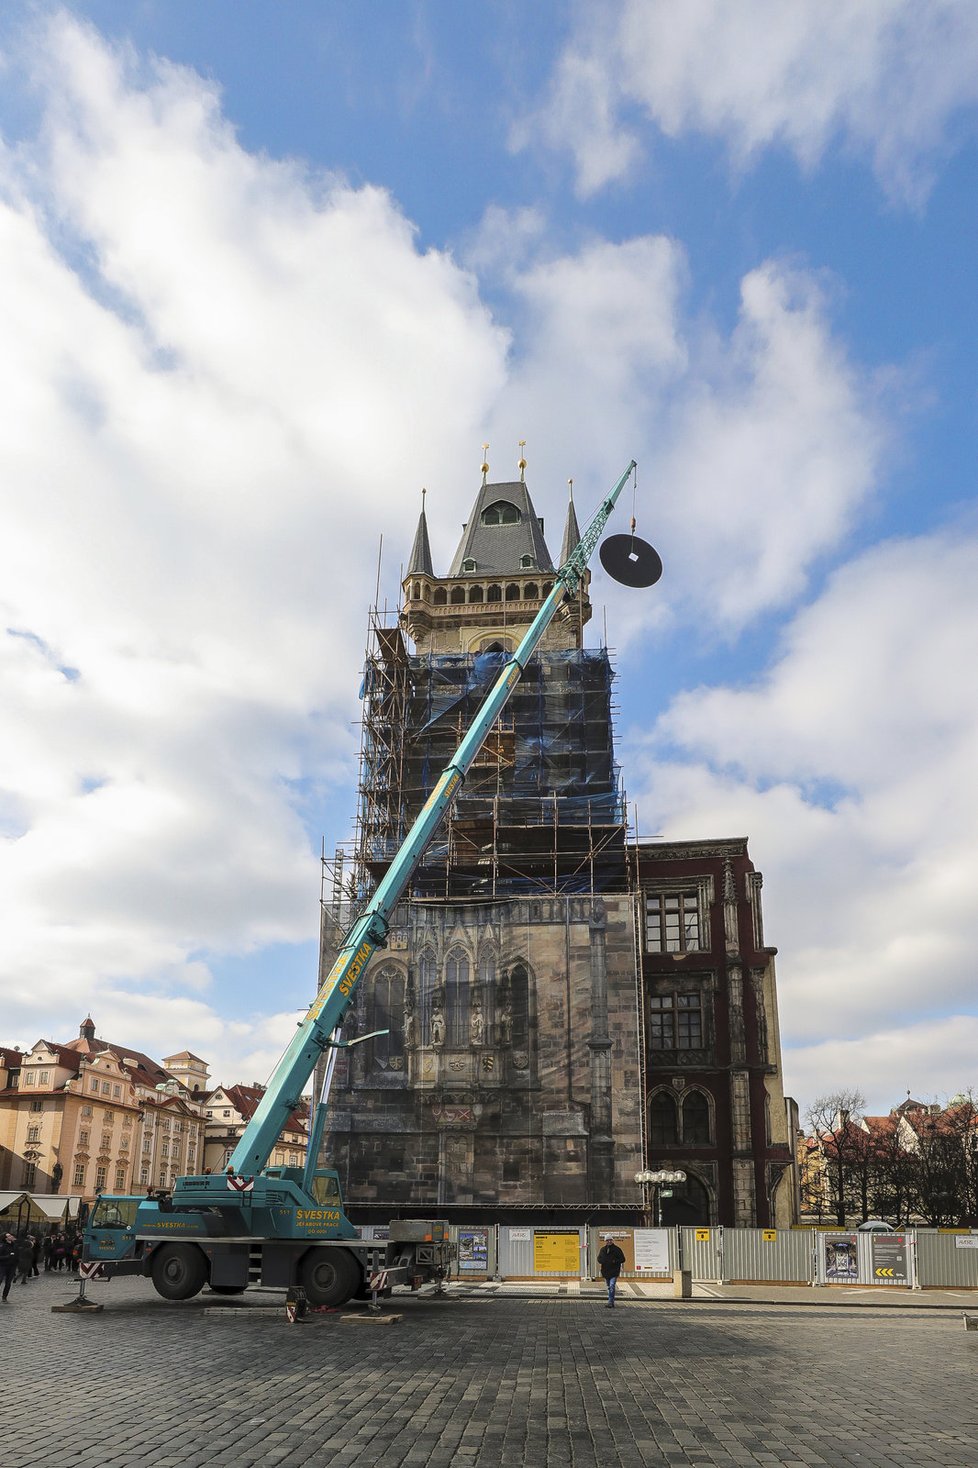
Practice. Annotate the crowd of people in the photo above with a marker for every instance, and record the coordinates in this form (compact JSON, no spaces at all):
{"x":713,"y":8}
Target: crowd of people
{"x":23,"y":1256}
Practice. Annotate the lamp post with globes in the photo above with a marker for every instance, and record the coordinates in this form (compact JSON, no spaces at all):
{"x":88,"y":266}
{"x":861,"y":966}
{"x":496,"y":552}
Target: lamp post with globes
{"x":655,"y":1178}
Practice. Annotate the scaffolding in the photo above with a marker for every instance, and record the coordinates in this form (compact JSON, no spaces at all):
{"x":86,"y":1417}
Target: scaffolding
{"x":542,"y":809}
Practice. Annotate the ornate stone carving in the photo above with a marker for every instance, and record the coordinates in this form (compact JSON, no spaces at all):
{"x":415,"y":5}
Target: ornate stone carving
{"x":506,"y":1022}
{"x":520,"y":1060}
{"x":410,"y":1021}
{"x":437,"y":1020}
{"x":477,"y":1023}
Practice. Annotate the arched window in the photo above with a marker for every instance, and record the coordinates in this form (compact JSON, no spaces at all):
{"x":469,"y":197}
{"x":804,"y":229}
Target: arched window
{"x":487,"y":991}
{"x":475,"y":593}
{"x":427,"y":979}
{"x":387,"y":1013}
{"x":416,"y":591}
{"x":457,"y":997}
{"x":530,"y":592}
{"x":495,"y":593}
{"x":441,"y":596}
{"x":548,"y":587}
{"x":696,"y":1119}
{"x":512,"y":592}
{"x":519,"y":994}
{"x":662,"y":1121}
{"x":526,"y":563}
{"x":501,"y":513}
{"x":468,"y":564}
{"x":458,"y":596}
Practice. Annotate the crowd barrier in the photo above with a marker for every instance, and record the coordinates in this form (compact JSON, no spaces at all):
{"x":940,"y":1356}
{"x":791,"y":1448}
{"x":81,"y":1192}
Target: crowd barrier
{"x":916,"y":1259}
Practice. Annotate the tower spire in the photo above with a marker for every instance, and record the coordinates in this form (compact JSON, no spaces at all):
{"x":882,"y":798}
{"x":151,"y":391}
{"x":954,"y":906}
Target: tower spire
{"x":572,"y":534}
{"x":419,"y":562}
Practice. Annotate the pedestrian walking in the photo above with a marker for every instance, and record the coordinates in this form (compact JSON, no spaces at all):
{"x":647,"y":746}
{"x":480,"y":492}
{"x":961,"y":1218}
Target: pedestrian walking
{"x":35,"y":1256}
{"x":8,"y":1262}
{"x":25,"y":1258}
{"x":49,"y":1253}
{"x":610,"y":1260}
{"x":58,"y":1252}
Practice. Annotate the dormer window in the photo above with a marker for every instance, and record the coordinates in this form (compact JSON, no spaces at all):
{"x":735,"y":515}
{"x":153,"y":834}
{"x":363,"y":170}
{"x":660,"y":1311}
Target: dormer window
{"x":526,"y":563}
{"x":468,"y":564}
{"x":501,"y":513}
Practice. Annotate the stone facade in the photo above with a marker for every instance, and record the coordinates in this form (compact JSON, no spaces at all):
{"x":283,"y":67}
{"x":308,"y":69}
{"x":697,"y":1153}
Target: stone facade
{"x":524,"y":994}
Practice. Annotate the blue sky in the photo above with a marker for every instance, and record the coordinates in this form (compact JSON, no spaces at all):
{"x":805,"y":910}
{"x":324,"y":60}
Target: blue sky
{"x":268,"y":270}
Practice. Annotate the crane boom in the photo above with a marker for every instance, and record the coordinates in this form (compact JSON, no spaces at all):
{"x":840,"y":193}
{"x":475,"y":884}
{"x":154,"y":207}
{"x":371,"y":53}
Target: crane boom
{"x":369,"y":931}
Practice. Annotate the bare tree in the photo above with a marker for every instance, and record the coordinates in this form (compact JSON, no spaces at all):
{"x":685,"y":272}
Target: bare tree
{"x":836,"y":1122}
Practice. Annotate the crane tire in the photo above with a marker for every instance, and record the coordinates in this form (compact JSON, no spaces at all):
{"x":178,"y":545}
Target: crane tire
{"x":179,"y":1271}
{"x":329,"y":1276}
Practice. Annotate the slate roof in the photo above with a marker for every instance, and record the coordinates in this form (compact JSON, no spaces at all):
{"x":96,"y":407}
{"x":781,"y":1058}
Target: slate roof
{"x":497,"y":549}
{"x":419,"y":561}
{"x":572,"y":535}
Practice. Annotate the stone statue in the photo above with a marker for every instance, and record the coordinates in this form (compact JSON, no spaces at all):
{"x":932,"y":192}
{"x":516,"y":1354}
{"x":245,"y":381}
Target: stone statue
{"x":410,"y":1038}
{"x":477,"y":1023}
{"x":506,"y":1022}
{"x":437,"y":1022}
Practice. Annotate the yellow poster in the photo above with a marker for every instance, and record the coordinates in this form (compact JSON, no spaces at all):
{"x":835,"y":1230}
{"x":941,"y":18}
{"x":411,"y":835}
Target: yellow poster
{"x":556,"y":1253}
{"x":769,"y":1235}
{"x":702,"y":1235}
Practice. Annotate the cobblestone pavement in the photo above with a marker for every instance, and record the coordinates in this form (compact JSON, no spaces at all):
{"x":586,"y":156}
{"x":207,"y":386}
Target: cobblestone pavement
{"x":481,"y":1379}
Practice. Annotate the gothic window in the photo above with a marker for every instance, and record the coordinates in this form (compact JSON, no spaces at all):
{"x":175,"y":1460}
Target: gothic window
{"x":387,"y":1012}
{"x":696,"y":1119}
{"x":495,"y":593}
{"x":458,"y":596}
{"x":440,"y":597}
{"x":512,"y":592}
{"x":475,"y":594}
{"x":662,"y":1121}
{"x":457,"y":997}
{"x":548,"y":587}
{"x":487,"y":990}
{"x":427,"y":972}
{"x":672,"y":922}
{"x":530,"y":591}
{"x":501,"y":513}
{"x":519,"y":991}
{"x":675,"y":1022}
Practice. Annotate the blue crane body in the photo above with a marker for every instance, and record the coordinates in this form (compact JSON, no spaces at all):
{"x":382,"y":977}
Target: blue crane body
{"x":286,"y":1226}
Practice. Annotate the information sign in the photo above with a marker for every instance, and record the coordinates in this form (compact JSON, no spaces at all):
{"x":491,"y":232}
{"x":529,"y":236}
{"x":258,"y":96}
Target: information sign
{"x":556,"y":1253}
{"x":769,"y":1235}
{"x":890,"y":1259}
{"x":841,"y":1258}
{"x":702,"y":1235}
{"x":969,"y":1241}
{"x":520,"y":1235}
{"x":473,"y":1250}
{"x":652,"y":1251}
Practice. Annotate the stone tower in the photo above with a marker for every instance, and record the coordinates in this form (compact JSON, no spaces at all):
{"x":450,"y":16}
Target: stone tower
{"x":510,"y":1075}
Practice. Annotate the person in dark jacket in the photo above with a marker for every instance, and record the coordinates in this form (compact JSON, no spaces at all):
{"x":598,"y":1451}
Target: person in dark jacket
{"x":8,"y":1262}
{"x":25,"y":1257}
{"x":610,"y":1260}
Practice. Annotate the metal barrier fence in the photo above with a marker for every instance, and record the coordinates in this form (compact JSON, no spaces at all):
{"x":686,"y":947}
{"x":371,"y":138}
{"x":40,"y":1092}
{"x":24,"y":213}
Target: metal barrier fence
{"x":916,"y":1259}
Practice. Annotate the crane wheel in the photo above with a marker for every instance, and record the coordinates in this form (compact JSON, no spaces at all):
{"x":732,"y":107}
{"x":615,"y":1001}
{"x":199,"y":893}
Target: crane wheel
{"x":179,"y":1271}
{"x":329,"y":1276}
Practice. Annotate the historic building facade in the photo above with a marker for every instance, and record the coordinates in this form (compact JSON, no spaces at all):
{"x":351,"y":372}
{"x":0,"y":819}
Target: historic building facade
{"x":559,"y":1007}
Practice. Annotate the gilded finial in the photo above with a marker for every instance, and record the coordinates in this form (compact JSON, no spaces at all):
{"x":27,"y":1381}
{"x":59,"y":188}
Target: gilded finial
{"x":522,"y":461}
{"x":485,"y":463}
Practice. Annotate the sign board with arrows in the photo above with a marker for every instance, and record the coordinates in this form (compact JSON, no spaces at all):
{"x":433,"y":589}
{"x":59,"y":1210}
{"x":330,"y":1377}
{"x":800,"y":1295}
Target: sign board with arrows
{"x":890,"y":1263}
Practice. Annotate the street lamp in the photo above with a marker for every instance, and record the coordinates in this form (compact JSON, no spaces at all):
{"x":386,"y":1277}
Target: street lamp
{"x":655,"y":1177}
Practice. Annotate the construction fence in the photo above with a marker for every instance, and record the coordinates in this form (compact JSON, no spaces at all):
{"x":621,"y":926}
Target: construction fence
{"x":917,"y":1259}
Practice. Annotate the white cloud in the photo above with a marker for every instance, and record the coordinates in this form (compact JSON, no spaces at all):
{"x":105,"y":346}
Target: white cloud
{"x":886,"y":79}
{"x":214,"y":370}
{"x":758,"y":450}
{"x":850,"y":765}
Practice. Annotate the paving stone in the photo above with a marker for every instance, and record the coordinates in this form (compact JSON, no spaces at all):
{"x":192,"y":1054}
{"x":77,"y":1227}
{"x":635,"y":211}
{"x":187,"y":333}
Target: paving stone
{"x":494,"y":1380}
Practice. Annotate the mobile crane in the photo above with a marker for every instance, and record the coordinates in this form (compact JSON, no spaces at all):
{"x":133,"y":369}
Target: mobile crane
{"x":286,"y":1226}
